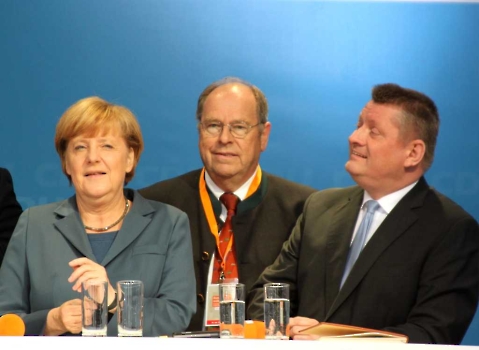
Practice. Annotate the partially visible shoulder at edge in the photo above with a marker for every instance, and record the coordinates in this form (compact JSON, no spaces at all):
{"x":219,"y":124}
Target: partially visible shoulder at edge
{"x":4,"y":173}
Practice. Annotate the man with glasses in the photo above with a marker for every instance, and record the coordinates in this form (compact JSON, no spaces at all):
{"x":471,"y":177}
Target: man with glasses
{"x":233,"y":131}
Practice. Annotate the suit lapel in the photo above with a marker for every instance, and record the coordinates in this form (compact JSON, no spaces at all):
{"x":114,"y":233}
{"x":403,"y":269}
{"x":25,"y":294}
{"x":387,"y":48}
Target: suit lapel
{"x":70,"y":226}
{"x":338,"y":242}
{"x":134,"y":223}
{"x":395,"y":224}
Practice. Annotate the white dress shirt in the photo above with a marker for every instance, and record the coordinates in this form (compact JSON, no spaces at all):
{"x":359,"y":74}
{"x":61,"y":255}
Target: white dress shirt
{"x":386,"y":205}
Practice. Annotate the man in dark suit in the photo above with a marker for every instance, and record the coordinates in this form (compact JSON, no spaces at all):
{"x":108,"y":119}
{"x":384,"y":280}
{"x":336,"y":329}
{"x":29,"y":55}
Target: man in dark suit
{"x":233,"y":131}
{"x":10,"y":210}
{"x":418,"y":271}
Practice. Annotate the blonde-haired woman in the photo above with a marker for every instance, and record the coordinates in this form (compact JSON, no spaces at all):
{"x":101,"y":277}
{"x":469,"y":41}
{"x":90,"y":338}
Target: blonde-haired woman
{"x":105,"y":231}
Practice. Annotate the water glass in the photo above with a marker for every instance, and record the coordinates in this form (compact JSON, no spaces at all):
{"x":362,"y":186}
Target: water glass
{"x":232,"y":310}
{"x":130,"y":308}
{"x":276,"y":310}
{"x":94,"y":308}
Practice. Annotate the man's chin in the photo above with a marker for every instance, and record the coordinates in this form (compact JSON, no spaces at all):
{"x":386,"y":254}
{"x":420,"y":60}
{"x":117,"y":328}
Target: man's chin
{"x":352,"y":168}
{"x":349,"y":166}
{"x":219,"y":172}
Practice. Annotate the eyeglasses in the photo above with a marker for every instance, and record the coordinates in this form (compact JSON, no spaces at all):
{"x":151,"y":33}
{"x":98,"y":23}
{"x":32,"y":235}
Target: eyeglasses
{"x":238,"y":129}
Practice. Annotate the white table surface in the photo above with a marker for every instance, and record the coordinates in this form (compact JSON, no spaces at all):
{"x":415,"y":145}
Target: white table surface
{"x":82,"y":343}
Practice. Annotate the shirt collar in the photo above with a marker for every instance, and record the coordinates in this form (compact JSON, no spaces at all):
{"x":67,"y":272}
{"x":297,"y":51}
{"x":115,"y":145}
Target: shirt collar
{"x":389,"y":201}
{"x":240,"y":192}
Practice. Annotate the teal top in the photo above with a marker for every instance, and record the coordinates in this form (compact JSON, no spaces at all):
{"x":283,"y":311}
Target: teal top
{"x":101,"y":243}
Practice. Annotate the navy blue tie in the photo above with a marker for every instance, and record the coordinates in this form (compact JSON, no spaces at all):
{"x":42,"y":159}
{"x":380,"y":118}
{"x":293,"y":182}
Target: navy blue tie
{"x":360,"y":238}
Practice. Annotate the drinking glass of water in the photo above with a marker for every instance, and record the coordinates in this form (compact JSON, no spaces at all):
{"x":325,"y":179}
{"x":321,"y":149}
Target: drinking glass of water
{"x":94,"y":308}
{"x":276,"y":310}
{"x":130,"y":308}
{"x":232,"y":310}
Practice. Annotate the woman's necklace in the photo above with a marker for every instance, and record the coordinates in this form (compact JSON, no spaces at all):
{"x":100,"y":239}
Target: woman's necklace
{"x":106,"y":228}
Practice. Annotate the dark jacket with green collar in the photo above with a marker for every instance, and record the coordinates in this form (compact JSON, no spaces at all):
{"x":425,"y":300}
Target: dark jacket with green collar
{"x":262,"y":224}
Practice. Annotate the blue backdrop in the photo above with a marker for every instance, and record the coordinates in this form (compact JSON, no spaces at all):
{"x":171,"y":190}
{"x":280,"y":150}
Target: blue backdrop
{"x":315,"y":60}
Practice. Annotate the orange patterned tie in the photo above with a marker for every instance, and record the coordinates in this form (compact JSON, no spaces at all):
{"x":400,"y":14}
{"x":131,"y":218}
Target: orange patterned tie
{"x":225,"y":259}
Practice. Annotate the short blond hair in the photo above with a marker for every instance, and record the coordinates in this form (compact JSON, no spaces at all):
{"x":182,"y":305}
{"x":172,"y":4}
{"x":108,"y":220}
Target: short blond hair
{"x":92,"y":116}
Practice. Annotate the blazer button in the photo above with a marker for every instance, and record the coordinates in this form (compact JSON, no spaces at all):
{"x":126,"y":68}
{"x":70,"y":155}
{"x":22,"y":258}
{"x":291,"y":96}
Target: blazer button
{"x":200,"y":298}
{"x":205,"y":256}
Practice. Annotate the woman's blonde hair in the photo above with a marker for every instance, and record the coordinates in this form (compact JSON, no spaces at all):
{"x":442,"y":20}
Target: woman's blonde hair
{"x":93,"y":116}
